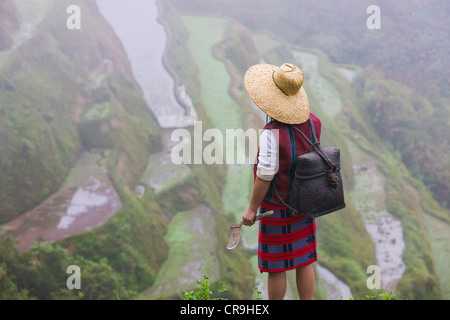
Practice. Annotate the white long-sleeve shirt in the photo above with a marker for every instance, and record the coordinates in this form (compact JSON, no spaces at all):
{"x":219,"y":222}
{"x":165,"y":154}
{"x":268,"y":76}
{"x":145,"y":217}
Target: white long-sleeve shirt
{"x":267,"y":165}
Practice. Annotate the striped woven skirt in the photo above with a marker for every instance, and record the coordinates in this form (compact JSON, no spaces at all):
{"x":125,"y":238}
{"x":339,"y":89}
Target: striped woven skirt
{"x":285,"y":242}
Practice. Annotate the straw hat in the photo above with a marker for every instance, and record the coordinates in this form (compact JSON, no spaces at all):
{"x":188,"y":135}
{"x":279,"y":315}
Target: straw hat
{"x":278,"y":92}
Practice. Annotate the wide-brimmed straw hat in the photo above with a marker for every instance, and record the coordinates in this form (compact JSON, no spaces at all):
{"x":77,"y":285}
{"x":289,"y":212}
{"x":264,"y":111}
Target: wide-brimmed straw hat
{"x":278,"y":92}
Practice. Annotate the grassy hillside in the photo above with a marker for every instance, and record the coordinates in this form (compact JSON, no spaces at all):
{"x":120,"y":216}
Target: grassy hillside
{"x":216,"y":96}
{"x":411,"y":34}
{"x":66,"y":92}
{"x":51,"y":94}
{"x":63,"y":92}
{"x":132,"y":249}
{"x":397,"y":117}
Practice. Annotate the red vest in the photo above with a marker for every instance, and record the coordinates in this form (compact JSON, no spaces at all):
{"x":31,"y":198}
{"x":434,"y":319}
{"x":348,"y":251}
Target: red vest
{"x":291,"y":145}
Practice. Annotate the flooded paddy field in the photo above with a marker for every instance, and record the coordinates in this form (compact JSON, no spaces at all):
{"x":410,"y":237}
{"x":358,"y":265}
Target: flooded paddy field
{"x":86,"y":200}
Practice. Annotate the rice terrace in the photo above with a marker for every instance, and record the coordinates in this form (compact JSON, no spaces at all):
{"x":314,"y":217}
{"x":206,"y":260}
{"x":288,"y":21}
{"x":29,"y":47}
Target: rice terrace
{"x":129,"y":143}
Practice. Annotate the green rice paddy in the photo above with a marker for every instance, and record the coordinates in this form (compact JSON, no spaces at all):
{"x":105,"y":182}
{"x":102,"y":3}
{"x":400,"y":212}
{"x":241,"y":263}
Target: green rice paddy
{"x":204,"y":34}
{"x":224,"y":112}
{"x":191,"y":255}
{"x":317,"y":85}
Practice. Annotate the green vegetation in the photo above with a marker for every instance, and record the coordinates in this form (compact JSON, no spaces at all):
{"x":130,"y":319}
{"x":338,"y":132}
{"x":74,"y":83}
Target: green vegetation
{"x":59,"y":97}
{"x":223,"y":111}
{"x":204,"y":291}
{"x":339,"y":248}
{"x":189,"y":254}
{"x":49,"y":115}
{"x":408,"y":38}
{"x":205,"y":184}
{"x":41,"y":274}
{"x":415,"y":128}
{"x":384,"y":296}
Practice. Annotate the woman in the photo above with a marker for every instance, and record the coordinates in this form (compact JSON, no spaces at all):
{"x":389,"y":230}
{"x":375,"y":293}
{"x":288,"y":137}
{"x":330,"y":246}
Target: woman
{"x":285,"y":241}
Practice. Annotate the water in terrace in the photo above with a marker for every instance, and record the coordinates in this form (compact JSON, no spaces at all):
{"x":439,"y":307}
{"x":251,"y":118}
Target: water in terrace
{"x":144,"y":39}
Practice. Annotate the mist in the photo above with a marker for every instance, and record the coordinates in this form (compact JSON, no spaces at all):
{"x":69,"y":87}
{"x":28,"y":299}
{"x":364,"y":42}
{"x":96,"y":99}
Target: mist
{"x":90,"y":100}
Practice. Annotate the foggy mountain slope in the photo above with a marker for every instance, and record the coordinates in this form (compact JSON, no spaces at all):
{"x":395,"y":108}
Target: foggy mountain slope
{"x":96,"y":109}
{"x":399,"y":184}
{"x":411,"y":49}
{"x":10,"y":23}
{"x":46,"y":89}
{"x":76,"y":98}
{"x":65,"y":94}
{"x":411,"y":32}
{"x":378,"y":187}
{"x":202,"y":45}
{"x":392,"y":114}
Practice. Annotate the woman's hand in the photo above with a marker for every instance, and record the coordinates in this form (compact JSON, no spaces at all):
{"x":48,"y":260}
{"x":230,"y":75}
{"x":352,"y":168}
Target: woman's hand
{"x":249,"y":217}
{"x":259,"y":192}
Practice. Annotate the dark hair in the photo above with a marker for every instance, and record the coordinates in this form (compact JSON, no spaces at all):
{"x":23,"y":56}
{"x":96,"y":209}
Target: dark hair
{"x":269,"y":119}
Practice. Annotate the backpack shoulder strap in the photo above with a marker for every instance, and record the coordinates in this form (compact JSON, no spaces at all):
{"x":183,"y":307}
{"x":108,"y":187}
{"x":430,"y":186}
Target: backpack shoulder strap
{"x":312,"y":128}
{"x":313,"y":134}
{"x":316,"y":145}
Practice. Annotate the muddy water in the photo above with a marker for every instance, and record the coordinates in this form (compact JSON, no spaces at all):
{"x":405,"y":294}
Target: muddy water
{"x":348,"y":73}
{"x":161,"y":173}
{"x":136,"y":24}
{"x":86,"y":200}
{"x":144,"y":39}
{"x":335,"y":288}
{"x":385,"y":230}
{"x":369,"y":197}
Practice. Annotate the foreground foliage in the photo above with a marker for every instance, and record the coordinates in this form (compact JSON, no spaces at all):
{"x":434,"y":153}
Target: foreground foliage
{"x":205,"y":291}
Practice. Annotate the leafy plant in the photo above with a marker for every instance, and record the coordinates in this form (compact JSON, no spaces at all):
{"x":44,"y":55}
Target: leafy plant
{"x":258,"y":293}
{"x":204,"y":291}
{"x":385,"y":296}
{"x":389,"y":296}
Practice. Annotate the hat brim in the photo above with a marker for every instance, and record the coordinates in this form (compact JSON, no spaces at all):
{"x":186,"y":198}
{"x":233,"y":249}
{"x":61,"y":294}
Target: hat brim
{"x":292,"y":109}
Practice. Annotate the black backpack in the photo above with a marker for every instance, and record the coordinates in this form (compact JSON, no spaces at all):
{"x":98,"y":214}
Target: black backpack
{"x":316,"y":187}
